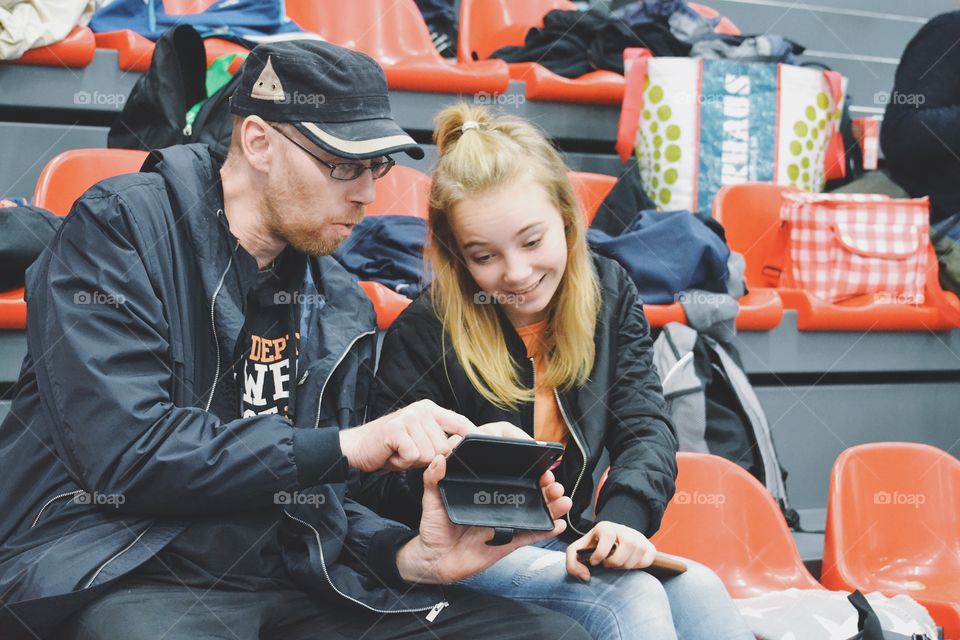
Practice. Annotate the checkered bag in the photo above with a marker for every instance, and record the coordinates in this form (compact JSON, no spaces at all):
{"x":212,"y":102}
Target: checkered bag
{"x":846,"y":245}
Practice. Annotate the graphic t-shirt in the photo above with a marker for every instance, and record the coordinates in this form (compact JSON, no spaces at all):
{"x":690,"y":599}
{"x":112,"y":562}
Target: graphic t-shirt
{"x":241,"y":550}
{"x":266,"y":368}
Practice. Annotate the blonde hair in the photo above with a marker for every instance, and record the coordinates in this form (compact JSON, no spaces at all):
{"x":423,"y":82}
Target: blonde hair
{"x":491,"y":151}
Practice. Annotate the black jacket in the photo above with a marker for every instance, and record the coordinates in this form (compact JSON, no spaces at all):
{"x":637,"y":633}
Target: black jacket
{"x":125,"y":308}
{"x":920,"y":135}
{"x":620,"y":408}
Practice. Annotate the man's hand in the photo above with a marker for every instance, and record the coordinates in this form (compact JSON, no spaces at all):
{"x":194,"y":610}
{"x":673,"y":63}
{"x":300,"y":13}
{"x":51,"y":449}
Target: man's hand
{"x":408,"y":438}
{"x":634,"y":551}
{"x":445,"y":552}
{"x":504,"y":430}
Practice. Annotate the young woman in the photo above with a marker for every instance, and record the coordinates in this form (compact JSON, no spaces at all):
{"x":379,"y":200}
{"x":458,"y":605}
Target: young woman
{"x":523,"y":325}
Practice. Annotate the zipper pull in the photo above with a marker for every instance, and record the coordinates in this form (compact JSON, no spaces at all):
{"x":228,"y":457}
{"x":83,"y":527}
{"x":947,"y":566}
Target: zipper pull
{"x":437,"y":608}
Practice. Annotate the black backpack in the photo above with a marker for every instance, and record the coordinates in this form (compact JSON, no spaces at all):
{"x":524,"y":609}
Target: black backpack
{"x":154,"y":115}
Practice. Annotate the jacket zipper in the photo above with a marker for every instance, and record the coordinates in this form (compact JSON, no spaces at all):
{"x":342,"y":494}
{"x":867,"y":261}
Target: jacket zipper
{"x":583,"y":452}
{"x":316,"y":423}
{"x":115,"y":556}
{"x":434,"y":610}
{"x":213,"y":324}
{"x":51,"y":500}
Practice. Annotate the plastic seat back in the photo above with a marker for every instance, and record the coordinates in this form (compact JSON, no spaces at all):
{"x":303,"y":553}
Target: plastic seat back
{"x":722,"y":517}
{"x":69,"y":174}
{"x":591,"y":189}
{"x":750,"y":215}
{"x":893,"y":518}
{"x":389,"y":31}
{"x":403,"y":191}
{"x":487,"y":25}
{"x":186,"y":7}
{"x":724,"y":26}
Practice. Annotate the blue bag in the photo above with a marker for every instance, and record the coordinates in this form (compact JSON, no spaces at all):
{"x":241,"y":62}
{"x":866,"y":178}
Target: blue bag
{"x":246,"y":21}
{"x":666,"y":253}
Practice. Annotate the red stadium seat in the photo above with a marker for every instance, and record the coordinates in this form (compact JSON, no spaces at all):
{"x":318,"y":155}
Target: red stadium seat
{"x":136,"y":51}
{"x":69,"y":174}
{"x":750,"y":214}
{"x":403,"y":191}
{"x":722,"y":517}
{"x":393,"y":33}
{"x":725,"y":26}
{"x":893,"y":525}
{"x":487,"y":25}
{"x":75,"y":51}
{"x":62,"y":181}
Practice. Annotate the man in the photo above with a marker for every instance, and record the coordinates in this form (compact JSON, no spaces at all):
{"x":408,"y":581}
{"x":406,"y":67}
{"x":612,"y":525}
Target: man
{"x":176,"y":451}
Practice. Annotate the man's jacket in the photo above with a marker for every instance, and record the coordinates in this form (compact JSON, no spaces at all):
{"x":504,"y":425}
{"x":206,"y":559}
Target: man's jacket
{"x":110,"y":449}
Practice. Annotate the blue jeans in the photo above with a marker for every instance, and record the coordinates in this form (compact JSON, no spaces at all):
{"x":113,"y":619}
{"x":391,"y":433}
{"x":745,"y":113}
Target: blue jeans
{"x":618,"y":604}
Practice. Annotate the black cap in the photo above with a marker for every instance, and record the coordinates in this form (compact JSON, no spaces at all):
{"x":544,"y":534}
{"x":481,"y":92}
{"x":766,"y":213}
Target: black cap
{"x":334,"y":96}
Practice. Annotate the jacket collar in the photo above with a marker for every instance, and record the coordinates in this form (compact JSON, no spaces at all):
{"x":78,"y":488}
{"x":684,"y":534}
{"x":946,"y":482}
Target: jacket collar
{"x":334,"y":310}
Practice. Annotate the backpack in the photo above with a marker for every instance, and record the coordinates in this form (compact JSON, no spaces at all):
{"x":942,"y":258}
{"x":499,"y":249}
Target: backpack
{"x":945,"y":237}
{"x":155,"y":113}
{"x":714,"y":407}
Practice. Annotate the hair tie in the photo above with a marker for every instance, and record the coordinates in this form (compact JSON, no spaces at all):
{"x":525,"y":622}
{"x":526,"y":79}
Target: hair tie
{"x":469,"y":124}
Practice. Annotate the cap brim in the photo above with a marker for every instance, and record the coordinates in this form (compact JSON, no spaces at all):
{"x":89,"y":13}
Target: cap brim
{"x":361,"y":139}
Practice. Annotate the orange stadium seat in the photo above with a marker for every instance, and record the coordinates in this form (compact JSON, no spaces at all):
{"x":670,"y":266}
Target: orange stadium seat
{"x":893,"y":525}
{"x":725,"y":26}
{"x":75,"y":51}
{"x":393,"y":32}
{"x":487,"y":25}
{"x":403,"y":191}
{"x":136,"y":51}
{"x":62,"y":181}
{"x":750,"y":214}
{"x":70,"y":173}
{"x":722,"y":517}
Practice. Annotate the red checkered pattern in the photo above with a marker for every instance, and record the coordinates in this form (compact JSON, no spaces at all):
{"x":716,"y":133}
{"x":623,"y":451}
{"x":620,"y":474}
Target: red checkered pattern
{"x":845,"y":245}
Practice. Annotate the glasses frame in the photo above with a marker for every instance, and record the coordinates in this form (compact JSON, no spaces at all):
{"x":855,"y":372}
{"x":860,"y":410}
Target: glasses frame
{"x":377,"y":169}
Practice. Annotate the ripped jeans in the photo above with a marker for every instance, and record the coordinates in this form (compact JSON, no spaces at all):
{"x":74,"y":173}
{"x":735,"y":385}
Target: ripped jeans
{"x":617,"y":605}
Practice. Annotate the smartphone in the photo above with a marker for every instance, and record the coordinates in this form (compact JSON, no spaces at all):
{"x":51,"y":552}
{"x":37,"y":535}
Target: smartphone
{"x":495,"y":482}
{"x":485,"y":456}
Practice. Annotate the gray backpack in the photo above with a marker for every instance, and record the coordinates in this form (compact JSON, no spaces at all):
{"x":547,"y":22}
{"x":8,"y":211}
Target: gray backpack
{"x":684,"y":358}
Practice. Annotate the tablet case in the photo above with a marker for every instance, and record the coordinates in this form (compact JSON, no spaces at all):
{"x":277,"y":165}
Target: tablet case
{"x":495,"y":482}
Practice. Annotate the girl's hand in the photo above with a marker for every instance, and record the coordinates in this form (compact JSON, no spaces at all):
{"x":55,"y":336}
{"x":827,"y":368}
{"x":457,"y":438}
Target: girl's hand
{"x":633,"y":550}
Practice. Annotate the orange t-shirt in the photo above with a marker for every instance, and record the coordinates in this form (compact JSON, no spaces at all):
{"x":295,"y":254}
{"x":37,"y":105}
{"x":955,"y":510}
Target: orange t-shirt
{"x":548,"y":424}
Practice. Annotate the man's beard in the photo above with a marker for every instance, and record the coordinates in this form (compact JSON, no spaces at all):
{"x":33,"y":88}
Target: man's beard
{"x":305,"y":238}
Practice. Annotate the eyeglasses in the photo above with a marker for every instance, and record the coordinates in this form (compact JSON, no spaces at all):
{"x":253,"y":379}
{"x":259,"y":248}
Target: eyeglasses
{"x":346,"y":170}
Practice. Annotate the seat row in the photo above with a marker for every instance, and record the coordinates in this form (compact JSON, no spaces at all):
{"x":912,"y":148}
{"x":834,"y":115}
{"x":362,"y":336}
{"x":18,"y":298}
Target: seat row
{"x":394,"y":33}
{"x":893,"y":526}
{"x":748,"y":212}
